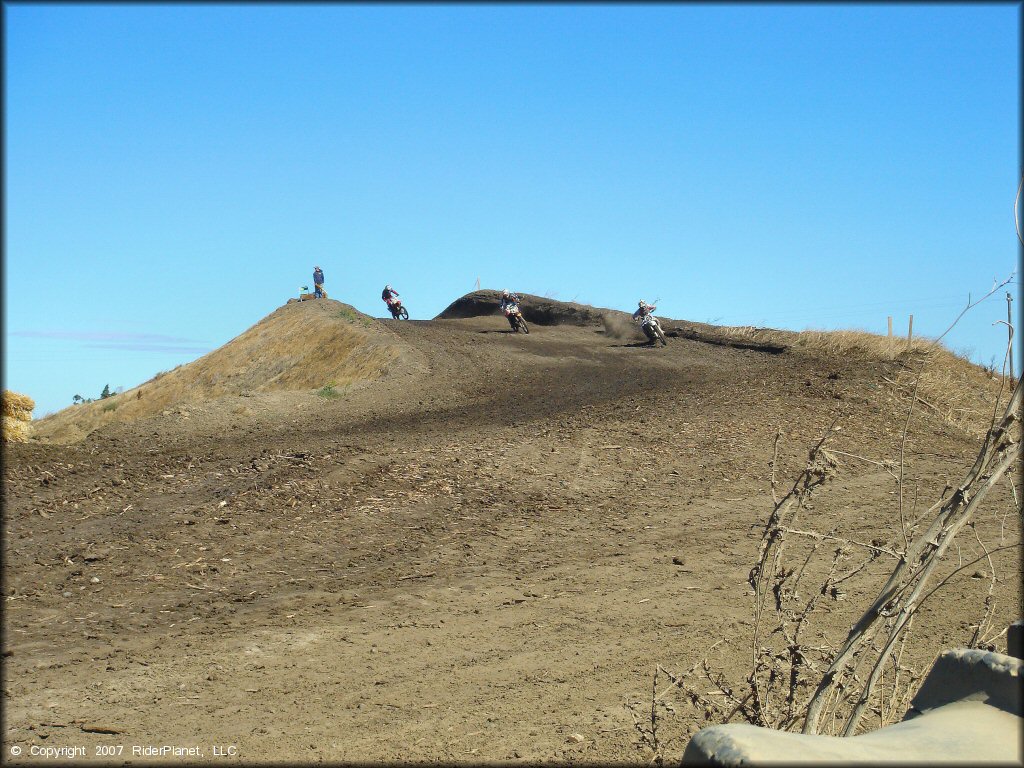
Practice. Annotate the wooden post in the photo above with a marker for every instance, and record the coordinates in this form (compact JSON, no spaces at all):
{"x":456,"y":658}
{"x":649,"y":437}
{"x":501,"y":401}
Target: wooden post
{"x":910,"y":332}
{"x":890,"y":337}
{"x":1009,"y":328}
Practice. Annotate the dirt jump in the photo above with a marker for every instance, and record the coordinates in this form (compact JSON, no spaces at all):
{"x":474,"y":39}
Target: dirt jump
{"x":347,"y":539}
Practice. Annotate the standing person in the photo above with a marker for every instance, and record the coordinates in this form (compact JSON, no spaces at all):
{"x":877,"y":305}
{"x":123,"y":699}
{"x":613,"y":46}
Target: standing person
{"x":318,"y":282}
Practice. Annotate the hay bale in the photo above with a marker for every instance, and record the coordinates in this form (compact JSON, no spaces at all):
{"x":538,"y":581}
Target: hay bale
{"x":14,"y":431}
{"x":14,"y":402}
{"x":18,"y":414}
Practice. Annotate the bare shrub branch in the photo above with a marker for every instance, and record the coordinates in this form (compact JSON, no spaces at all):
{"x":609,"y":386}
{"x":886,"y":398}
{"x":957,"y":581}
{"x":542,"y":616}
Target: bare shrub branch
{"x":999,"y":451}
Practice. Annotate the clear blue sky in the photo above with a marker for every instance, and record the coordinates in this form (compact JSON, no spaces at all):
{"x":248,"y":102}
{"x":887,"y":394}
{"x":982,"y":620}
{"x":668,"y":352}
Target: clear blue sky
{"x":174,"y":172}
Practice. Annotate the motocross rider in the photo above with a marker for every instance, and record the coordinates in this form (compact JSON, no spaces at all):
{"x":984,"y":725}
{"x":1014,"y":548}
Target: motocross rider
{"x":506,"y":300}
{"x":644,"y":311}
{"x":388,"y":295}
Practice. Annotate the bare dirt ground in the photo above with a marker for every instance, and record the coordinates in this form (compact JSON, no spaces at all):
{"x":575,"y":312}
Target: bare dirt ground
{"x":480,"y":556}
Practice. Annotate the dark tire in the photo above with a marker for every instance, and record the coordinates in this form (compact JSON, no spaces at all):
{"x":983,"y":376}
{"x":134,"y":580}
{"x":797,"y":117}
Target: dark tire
{"x":403,"y":313}
{"x":522,"y":326}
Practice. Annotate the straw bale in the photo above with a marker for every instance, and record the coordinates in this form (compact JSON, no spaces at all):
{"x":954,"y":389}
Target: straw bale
{"x":13,"y":402}
{"x":14,"y":431}
{"x":18,"y":414}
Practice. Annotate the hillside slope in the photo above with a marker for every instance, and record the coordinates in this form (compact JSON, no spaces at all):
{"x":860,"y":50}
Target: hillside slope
{"x":300,"y":346}
{"x":480,"y":555}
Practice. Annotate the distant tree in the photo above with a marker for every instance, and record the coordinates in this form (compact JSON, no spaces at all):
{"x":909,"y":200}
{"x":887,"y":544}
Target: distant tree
{"x":106,"y":392}
{"x":77,"y":399}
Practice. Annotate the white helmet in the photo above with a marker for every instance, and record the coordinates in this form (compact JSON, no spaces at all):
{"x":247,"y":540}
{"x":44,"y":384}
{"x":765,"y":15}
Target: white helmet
{"x":505,"y":292}
{"x":643,"y":303}
{"x":387,"y":287}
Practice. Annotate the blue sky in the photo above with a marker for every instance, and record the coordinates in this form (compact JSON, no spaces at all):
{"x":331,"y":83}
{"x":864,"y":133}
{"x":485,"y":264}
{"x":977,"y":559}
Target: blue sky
{"x":174,"y":172}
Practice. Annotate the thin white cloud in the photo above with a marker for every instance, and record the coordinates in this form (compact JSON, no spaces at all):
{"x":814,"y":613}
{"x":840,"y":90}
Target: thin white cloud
{"x":133,"y":347}
{"x":154,"y":338}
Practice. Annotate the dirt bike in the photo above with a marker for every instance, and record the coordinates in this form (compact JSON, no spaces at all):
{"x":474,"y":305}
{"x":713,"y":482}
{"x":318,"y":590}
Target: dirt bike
{"x":398,"y":312}
{"x":515,"y":319}
{"x":652,"y":330}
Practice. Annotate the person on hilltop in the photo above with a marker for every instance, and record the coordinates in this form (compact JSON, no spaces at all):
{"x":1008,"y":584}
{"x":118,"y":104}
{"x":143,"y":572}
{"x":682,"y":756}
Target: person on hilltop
{"x":318,"y":282}
{"x":507,"y":300}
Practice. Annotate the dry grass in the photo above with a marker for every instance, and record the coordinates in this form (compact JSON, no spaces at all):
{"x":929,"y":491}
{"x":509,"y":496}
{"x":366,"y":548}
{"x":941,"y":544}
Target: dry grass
{"x":17,"y":405}
{"x":950,"y":386}
{"x":297,"y":347}
{"x":847,"y":342}
{"x":17,"y":415}
{"x":957,"y":390}
{"x":14,"y":430}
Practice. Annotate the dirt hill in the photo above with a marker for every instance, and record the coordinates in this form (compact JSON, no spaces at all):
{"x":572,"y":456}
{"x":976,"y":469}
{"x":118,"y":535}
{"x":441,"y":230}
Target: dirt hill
{"x":478,"y":550}
{"x":300,"y":346}
{"x":536,"y":309}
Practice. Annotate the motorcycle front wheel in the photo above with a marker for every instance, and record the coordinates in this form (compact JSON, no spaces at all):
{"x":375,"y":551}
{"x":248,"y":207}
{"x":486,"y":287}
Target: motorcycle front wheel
{"x":403,"y":313}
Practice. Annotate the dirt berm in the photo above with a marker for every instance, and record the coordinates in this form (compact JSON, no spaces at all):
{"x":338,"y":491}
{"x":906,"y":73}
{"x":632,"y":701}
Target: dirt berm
{"x":536,"y":309}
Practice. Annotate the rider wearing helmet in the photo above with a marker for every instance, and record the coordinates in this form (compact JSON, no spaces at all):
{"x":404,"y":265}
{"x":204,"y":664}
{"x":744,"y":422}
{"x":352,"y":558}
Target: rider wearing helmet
{"x":648,"y":323}
{"x":643,"y":310}
{"x":508,"y":299}
{"x":389,"y":295}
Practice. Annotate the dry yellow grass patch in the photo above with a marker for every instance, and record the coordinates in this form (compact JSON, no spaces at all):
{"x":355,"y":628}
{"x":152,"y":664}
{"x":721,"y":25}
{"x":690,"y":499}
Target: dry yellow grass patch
{"x":962,"y":393}
{"x":15,"y":404}
{"x":14,"y":431}
{"x":300,"y":346}
{"x":846,"y":342}
{"x":956,"y":389}
{"x":17,"y":414}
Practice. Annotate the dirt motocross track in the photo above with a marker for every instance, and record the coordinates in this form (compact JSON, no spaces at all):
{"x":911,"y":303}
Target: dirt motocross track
{"x":480,"y":554}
